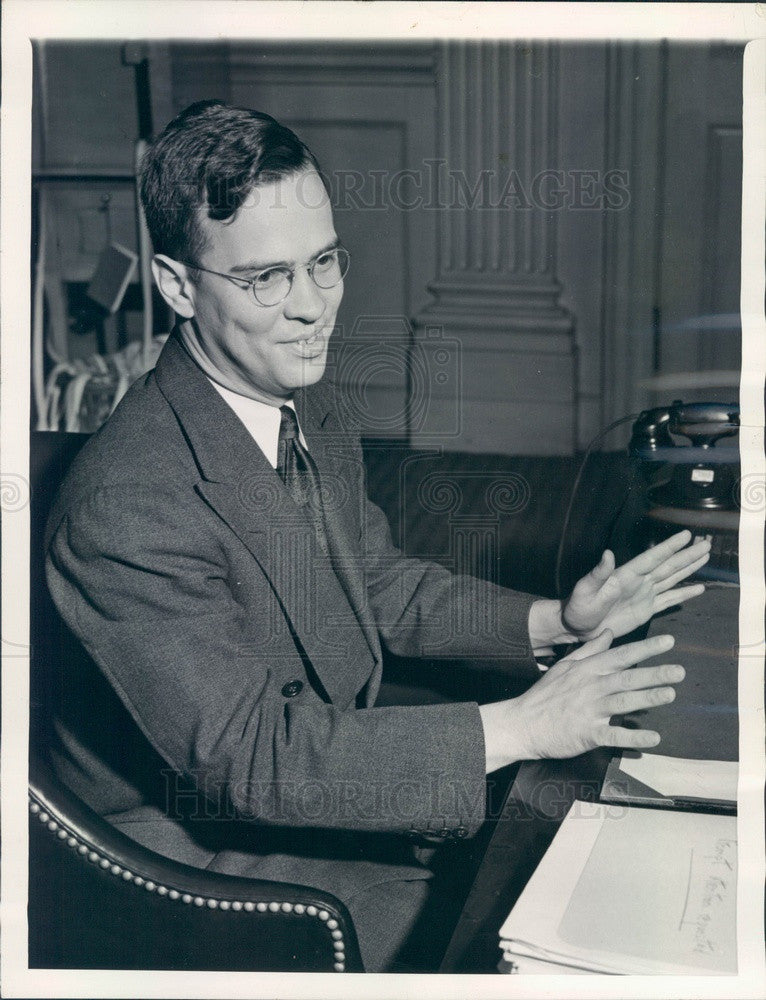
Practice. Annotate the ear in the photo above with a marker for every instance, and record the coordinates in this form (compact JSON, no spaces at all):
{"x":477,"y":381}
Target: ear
{"x":174,"y":284}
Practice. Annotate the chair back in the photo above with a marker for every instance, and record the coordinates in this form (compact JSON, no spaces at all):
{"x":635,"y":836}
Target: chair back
{"x":51,"y":454}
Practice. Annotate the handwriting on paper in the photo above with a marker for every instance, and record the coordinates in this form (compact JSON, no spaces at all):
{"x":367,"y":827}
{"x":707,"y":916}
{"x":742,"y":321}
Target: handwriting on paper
{"x":656,"y":894}
{"x":708,"y":921}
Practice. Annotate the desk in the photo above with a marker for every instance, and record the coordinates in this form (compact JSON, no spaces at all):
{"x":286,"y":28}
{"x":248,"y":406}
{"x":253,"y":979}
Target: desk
{"x":542,"y":792}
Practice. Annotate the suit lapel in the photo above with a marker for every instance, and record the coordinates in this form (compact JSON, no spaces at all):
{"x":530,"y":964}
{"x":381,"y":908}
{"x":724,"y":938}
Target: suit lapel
{"x":343,"y":487}
{"x":240,"y":485}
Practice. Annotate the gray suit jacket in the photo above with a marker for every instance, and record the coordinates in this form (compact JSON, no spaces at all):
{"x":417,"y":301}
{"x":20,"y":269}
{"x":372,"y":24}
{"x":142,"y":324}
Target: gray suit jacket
{"x":225,"y":715}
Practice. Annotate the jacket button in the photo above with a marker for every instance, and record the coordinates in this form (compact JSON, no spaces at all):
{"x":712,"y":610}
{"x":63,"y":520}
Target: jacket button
{"x":461,"y":832}
{"x":292,"y":688}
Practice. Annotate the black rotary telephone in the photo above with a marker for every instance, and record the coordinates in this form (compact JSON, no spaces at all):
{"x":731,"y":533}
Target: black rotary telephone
{"x":693,"y":476}
{"x":691,"y":484}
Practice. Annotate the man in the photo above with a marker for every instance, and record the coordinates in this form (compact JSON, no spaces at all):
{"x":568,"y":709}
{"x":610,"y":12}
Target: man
{"x":214,"y":550}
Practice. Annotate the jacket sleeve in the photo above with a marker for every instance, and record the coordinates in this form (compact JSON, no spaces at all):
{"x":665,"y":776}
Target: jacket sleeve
{"x":144,"y":583}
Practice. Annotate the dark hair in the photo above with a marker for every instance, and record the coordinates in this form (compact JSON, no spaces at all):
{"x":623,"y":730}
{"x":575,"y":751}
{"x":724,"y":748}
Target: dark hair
{"x":209,"y":158}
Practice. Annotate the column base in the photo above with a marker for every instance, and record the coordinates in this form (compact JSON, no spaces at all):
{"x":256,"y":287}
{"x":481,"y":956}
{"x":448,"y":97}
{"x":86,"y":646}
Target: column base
{"x":499,"y":382}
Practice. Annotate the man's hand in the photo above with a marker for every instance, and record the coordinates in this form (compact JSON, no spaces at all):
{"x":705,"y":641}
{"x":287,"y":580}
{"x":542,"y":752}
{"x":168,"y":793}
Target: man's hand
{"x":567,"y":711}
{"x":622,"y":599}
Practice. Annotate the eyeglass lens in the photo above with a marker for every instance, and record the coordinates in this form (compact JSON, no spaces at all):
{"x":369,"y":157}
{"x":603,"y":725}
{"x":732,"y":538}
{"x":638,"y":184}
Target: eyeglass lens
{"x":272,"y":286}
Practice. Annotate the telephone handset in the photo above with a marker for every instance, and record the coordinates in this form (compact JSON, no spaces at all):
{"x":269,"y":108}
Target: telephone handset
{"x":702,"y":423}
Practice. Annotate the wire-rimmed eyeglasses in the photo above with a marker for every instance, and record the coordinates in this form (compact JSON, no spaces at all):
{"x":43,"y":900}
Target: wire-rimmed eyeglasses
{"x":272,"y":285}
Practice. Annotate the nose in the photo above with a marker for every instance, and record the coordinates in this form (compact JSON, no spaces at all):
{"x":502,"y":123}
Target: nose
{"x":305,"y":301}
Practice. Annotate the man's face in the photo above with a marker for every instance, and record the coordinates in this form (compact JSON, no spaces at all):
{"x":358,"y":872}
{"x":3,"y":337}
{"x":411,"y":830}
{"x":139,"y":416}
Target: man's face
{"x":266,"y":352}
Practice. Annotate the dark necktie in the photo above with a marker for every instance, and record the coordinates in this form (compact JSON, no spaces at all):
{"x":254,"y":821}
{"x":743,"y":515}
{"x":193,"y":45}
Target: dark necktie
{"x":300,"y":475}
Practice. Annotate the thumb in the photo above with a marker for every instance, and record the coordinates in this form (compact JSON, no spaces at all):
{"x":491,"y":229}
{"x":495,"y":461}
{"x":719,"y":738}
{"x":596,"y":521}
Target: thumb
{"x":601,"y":573}
{"x":599,"y":644}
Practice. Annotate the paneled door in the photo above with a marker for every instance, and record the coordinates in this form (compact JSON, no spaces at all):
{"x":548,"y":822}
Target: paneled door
{"x":698,"y":327}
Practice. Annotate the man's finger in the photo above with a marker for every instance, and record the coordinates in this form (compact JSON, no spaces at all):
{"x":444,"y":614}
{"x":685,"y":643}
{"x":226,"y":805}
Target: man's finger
{"x":598,"y":644}
{"x":675,"y":563}
{"x":624,"y":702}
{"x":640,"y":678}
{"x":604,"y":569}
{"x":632,"y":653}
{"x":628,"y":739}
{"x":664,"y":601}
{"x":652,"y":558}
{"x":681,"y":574}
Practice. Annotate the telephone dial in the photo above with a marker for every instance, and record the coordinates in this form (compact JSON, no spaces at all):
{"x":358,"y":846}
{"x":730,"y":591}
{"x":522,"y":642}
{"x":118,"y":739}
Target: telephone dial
{"x":689,"y":481}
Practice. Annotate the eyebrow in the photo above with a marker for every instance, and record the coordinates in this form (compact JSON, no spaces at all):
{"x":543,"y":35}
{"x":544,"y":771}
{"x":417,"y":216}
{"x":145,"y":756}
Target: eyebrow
{"x":256,"y":265}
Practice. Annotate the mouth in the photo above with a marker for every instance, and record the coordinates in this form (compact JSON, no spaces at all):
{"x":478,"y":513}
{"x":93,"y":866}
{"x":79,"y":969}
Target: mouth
{"x":310,"y":347}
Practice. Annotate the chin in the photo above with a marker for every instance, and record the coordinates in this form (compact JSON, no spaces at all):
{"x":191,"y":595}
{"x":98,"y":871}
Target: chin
{"x":311,"y":373}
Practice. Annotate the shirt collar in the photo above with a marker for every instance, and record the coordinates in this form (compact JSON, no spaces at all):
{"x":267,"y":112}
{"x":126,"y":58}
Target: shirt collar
{"x":261,"y":420}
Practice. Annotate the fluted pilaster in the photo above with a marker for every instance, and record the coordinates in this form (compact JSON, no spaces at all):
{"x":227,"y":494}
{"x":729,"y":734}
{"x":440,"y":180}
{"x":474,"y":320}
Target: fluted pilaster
{"x":495,"y":291}
{"x":498,"y":112}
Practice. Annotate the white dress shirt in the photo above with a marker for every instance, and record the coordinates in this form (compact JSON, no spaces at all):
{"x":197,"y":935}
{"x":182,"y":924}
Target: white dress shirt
{"x":260,"y":419}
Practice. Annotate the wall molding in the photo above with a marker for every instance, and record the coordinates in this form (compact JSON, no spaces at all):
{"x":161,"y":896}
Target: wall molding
{"x":357,"y":64}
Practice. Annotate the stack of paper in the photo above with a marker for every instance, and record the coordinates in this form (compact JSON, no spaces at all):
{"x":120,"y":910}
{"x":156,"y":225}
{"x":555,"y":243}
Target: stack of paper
{"x":653,"y":779}
{"x":630,"y":891}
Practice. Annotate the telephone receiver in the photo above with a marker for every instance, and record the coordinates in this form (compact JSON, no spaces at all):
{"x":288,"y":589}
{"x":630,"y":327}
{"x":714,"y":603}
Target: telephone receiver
{"x":702,"y":423}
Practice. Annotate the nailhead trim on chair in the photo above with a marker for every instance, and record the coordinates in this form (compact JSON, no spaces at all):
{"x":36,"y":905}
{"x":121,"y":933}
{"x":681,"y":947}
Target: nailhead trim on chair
{"x":214,"y":904}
